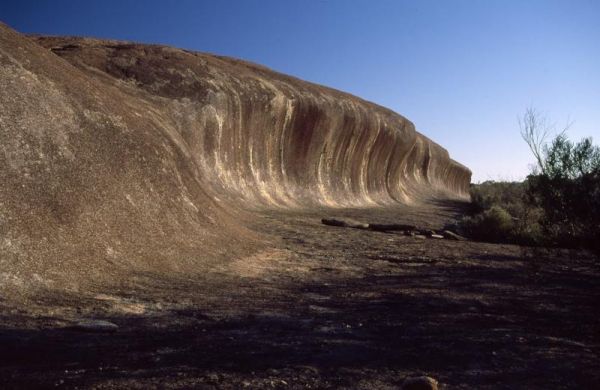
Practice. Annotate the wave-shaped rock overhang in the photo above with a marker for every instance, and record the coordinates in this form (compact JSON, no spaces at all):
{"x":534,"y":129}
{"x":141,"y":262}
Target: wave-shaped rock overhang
{"x":269,"y":139}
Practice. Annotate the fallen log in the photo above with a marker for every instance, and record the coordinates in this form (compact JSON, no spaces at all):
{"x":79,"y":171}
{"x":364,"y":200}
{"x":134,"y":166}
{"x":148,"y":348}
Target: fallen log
{"x":391,"y":227}
{"x":344,"y":223}
{"x":453,"y":236}
{"x":409,"y":230}
{"x":426,"y":232}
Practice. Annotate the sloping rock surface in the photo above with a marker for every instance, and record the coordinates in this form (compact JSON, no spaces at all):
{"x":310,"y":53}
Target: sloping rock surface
{"x":117,"y":156}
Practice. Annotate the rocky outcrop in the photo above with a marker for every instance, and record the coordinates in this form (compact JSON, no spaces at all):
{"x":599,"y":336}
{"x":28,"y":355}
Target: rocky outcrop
{"x":118,"y":156}
{"x":270,"y":139}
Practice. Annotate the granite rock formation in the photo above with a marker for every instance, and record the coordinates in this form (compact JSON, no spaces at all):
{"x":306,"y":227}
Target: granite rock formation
{"x":117,"y":156}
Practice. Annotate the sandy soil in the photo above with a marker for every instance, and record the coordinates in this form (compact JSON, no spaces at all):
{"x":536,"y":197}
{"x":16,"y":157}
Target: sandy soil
{"x":325,"y":307}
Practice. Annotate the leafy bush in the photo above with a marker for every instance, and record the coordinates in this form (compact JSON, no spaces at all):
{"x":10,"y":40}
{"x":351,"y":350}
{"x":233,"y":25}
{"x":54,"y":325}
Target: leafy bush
{"x":509,"y":195}
{"x":500,"y":213}
{"x":494,"y":224}
{"x":565,"y":184}
{"x":568,"y":190}
{"x":565,"y":160}
{"x":558,"y":204}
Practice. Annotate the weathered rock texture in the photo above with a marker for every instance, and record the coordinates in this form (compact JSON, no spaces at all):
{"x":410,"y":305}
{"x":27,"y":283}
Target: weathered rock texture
{"x":143,"y":156}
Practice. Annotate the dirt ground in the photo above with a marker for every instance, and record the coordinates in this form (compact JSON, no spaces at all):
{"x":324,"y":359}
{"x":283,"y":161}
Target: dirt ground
{"x":326,"y":307}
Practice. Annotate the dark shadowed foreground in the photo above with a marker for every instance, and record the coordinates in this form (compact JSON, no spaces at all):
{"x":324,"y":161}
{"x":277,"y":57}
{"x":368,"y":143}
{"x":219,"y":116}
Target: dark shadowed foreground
{"x":327,"y":307}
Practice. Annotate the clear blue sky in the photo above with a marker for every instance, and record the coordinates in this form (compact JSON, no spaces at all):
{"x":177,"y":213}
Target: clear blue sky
{"x":462,"y":71}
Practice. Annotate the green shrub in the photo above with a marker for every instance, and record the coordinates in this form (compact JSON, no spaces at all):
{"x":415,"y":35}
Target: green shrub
{"x":559,"y":206}
{"x":494,"y":225}
{"x":508,"y":195}
{"x":568,"y":190}
{"x":500,"y":212}
{"x":565,"y":184}
{"x":571,"y":207}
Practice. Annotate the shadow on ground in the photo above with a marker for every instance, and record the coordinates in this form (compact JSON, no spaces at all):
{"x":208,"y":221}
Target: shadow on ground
{"x":351,"y":309}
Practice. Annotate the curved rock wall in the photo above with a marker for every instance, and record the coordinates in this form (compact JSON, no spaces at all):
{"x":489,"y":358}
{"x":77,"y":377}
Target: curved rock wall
{"x":273,"y":140}
{"x":119,"y":160}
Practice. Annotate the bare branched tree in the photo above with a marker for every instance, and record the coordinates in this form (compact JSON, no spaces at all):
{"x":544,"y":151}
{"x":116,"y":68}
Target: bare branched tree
{"x":535,"y":130}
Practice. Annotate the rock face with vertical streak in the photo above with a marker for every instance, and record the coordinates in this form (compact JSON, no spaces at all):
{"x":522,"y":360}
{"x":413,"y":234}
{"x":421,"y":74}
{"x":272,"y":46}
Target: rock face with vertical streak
{"x":143,"y":156}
